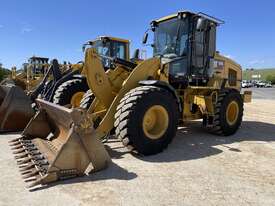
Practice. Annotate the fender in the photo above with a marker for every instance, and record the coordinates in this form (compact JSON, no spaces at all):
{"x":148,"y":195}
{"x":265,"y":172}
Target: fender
{"x":163,"y":85}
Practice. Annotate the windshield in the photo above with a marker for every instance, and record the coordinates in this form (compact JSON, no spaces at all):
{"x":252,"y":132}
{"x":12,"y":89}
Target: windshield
{"x":102,"y":48}
{"x":171,"y":37}
{"x":109,"y":49}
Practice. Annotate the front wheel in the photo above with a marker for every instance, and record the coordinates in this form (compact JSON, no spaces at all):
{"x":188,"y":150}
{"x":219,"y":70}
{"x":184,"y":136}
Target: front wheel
{"x":146,"y":119}
{"x":70,"y":92}
{"x":87,"y":100}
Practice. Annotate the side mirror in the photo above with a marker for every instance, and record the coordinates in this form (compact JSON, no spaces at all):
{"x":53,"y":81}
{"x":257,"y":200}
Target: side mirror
{"x":145,"y":37}
{"x":136,"y":54}
{"x":201,"y":24}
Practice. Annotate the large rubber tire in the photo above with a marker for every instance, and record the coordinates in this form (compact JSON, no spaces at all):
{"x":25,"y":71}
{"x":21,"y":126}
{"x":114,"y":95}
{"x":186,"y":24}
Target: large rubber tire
{"x":130,"y":113}
{"x":87,"y":100}
{"x":66,"y":90}
{"x":221,"y":125}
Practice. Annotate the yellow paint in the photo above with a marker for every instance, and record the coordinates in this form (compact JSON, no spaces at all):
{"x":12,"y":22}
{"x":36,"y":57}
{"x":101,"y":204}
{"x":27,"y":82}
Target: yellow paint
{"x":141,"y":72}
{"x":155,"y":122}
{"x":232,"y":113}
{"x":76,"y":99}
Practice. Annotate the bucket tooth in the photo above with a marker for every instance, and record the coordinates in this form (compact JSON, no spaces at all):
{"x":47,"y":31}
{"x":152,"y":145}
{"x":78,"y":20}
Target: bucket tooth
{"x":15,"y":143}
{"x":17,"y":147}
{"x":19,"y":151}
{"x":15,"y":140}
{"x":28,"y":159}
{"x":38,"y":163}
{"x":35,"y":183}
{"x":30,"y":166}
{"x":25,"y":165}
{"x":26,"y":153}
{"x":31,"y":174}
{"x":23,"y":148}
{"x":21,"y":155}
{"x":23,"y":161}
{"x":31,"y":179}
{"x":19,"y":142}
{"x":26,"y":172}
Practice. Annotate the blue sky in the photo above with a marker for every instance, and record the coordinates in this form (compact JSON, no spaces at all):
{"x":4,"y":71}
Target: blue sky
{"x":57,"y":29}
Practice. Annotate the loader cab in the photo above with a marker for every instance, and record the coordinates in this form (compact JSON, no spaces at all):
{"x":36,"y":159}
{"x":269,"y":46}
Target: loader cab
{"x":110,"y":47}
{"x":186,"y":44}
{"x":38,"y":65}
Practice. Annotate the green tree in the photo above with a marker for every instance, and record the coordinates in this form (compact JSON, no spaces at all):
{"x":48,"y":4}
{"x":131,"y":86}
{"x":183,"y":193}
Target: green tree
{"x":3,"y":72}
{"x":271,"y":78}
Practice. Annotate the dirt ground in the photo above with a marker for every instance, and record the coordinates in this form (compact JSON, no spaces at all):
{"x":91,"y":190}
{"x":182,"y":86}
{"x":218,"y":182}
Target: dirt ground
{"x":196,"y":169}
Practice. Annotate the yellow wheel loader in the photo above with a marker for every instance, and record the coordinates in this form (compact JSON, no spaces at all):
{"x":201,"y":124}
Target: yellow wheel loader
{"x":16,"y":104}
{"x":31,"y":74}
{"x":17,"y":97}
{"x":63,"y":86}
{"x":186,"y":79}
{"x":71,"y":91}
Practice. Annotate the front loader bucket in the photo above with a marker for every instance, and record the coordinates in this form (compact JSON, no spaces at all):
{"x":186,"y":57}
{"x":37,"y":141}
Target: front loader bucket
{"x":57,"y":144}
{"x":15,"y":109}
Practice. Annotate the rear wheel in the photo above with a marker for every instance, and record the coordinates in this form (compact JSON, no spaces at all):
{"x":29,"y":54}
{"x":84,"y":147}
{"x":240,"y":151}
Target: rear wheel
{"x":87,"y":100}
{"x":228,"y":113}
{"x":146,"y":119}
{"x":85,"y":103}
{"x":70,"y":92}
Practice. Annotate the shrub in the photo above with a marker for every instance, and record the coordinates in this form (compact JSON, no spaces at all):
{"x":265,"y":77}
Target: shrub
{"x":271,"y":78}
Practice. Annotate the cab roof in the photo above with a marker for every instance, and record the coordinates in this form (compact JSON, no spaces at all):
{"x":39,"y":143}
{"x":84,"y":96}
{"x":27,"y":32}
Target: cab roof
{"x":200,"y":14}
{"x":112,"y":39}
{"x":38,"y":58}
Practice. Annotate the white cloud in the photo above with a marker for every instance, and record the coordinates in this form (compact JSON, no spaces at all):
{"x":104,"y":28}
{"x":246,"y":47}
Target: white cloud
{"x":256,"y":61}
{"x":229,"y":56}
{"x":26,"y":28}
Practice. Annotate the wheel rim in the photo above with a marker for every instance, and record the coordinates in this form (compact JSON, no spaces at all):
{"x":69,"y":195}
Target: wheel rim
{"x":232,"y":113}
{"x":76,"y":99}
{"x":155,"y":122}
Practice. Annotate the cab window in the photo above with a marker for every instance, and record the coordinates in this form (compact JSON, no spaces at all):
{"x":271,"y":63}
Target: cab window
{"x":119,"y":50}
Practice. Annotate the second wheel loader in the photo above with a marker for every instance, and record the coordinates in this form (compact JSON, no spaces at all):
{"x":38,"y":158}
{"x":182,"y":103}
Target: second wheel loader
{"x":186,"y":79}
{"x":61,"y":86}
{"x":71,"y":91}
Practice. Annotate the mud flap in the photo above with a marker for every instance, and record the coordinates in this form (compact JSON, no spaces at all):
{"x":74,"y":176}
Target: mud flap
{"x":57,"y":144}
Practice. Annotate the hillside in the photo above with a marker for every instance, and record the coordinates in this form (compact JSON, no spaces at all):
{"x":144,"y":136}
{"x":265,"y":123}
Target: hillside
{"x":263,"y":72}
{"x":4,"y":73}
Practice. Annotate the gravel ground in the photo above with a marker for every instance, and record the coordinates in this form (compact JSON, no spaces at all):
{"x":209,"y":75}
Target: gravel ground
{"x":263,"y":93}
{"x":196,"y":169}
